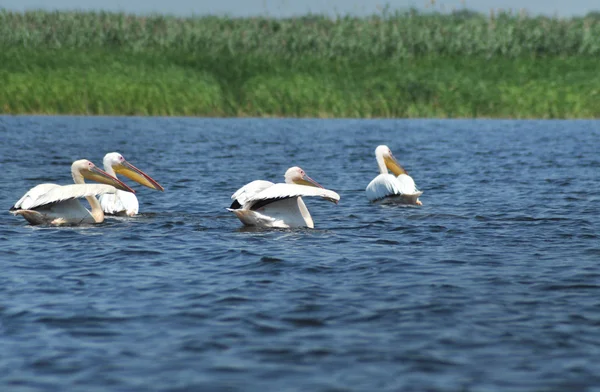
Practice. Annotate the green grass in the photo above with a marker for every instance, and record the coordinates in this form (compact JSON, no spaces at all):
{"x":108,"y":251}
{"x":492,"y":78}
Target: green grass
{"x":66,"y":81}
{"x":400,"y":65}
{"x":113,"y":82}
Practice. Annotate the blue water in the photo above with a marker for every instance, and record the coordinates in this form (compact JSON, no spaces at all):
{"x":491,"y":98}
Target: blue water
{"x":494,"y":284}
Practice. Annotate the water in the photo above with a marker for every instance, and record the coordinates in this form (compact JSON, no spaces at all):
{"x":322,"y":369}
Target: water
{"x":494,"y":284}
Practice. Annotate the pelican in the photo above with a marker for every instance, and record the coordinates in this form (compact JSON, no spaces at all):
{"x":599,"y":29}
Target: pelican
{"x":399,"y":187}
{"x":262,"y":203}
{"x":59,"y":205}
{"x":124,"y":203}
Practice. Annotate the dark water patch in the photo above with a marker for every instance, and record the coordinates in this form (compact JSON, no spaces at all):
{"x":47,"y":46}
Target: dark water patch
{"x":267,"y":259}
{"x":304,"y":321}
{"x":387,"y":242}
{"x":232,"y":299}
{"x":80,"y":321}
{"x":452,"y":261}
{"x":569,"y":287}
{"x":43,"y":179}
{"x":194,"y":345}
{"x":134,"y":253}
{"x":593,"y":251}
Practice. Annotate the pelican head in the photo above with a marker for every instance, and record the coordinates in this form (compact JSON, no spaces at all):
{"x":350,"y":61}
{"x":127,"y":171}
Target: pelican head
{"x":85,"y":169}
{"x":121,"y":166}
{"x":295,"y":175}
{"x":384,"y":154}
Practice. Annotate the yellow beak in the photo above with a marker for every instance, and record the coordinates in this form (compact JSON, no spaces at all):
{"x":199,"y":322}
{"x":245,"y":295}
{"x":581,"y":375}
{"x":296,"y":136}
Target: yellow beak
{"x":128,"y":170}
{"x":306,"y":180}
{"x":394,"y":166}
{"x":99,"y":175}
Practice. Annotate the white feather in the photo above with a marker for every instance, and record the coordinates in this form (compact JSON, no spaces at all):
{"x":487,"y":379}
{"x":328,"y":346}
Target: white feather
{"x":45,"y":194}
{"x":386,"y":185}
{"x":250,"y":190}
{"x":120,"y":202}
{"x":284,"y":208}
{"x":282,"y":191}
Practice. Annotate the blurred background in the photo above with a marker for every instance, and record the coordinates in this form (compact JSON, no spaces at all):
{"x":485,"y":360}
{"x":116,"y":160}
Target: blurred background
{"x":291,"y":8}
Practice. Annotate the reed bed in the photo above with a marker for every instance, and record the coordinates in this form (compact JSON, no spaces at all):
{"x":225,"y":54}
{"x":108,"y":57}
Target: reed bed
{"x":389,"y":35}
{"x":391,"y":65}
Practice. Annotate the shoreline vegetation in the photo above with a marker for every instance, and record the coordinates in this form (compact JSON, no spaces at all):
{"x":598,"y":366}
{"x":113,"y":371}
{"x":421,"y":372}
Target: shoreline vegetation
{"x":395,"y":65}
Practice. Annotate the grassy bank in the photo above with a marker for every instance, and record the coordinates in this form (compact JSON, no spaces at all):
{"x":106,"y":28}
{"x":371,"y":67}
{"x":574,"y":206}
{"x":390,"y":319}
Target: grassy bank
{"x":402,"y":65}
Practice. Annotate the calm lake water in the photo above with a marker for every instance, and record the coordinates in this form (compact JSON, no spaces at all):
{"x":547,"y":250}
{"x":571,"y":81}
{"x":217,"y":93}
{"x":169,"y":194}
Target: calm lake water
{"x":494,"y":284}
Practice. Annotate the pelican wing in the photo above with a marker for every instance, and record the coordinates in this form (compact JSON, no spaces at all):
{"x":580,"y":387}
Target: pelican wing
{"x":284,"y":191}
{"x":242,"y":195}
{"x":407,"y":185}
{"x":44,"y":194}
{"x":120,"y":202}
{"x":385,"y":185}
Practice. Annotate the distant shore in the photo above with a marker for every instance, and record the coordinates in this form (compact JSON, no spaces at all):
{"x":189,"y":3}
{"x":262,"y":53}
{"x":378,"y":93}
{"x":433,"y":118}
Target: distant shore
{"x":408,"y":65}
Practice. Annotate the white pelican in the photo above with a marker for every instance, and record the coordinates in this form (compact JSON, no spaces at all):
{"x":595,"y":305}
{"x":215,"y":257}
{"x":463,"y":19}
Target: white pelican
{"x":262,"y":203}
{"x":400,"y":189}
{"x":58,"y":205}
{"x":124,"y":203}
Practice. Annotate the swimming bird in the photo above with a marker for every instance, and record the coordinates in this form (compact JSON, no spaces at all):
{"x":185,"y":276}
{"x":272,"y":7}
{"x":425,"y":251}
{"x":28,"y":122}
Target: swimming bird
{"x":265,"y":204}
{"x":59,"y":205}
{"x":124,"y":203}
{"x":399,"y":187}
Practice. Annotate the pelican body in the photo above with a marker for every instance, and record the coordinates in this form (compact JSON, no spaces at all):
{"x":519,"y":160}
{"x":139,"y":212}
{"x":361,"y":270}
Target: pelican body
{"x":265,"y":204}
{"x":124,"y":203}
{"x":399,"y":187}
{"x":60,"y":205}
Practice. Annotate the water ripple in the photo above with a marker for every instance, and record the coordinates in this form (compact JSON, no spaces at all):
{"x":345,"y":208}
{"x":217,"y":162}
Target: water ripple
{"x":491,"y":285}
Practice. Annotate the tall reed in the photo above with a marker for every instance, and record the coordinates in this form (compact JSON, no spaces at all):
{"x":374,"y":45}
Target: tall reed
{"x":392,"y":65}
{"x":389,"y":35}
